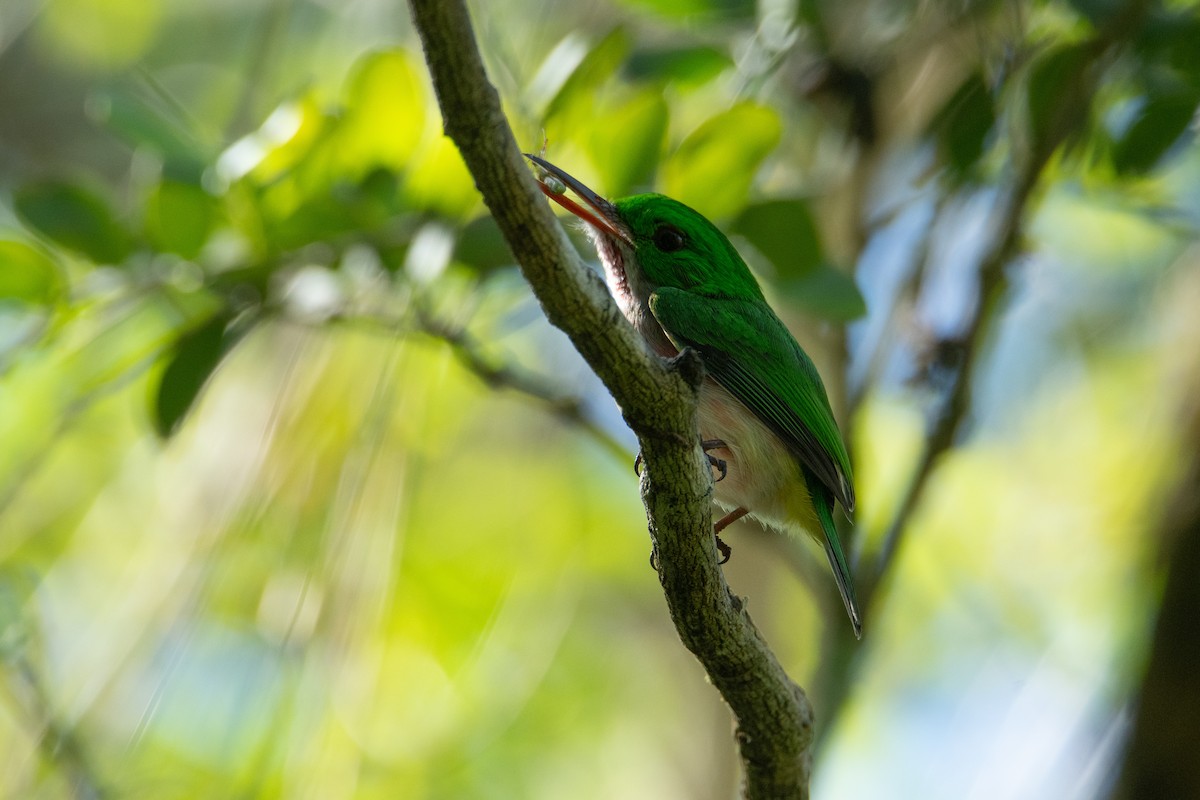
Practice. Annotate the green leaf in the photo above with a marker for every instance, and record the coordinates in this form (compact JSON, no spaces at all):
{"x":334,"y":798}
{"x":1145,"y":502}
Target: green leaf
{"x":142,"y":125}
{"x":627,"y":161}
{"x":1160,"y":123}
{"x":784,"y":232}
{"x":714,"y":167}
{"x":179,"y":217}
{"x":74,"y":218}
{"x":28,"y":275}
{"x":482,"y":247}
{"x":196,"y":357}
{"x":1058,"y":95}
{"x":1099,"y":12}
{"x":577,"y":95}
{"x":692,"y":65}
{"x":1171,"y":38}
{"x":827,"y":293}
{"x":701,"y":10}
{"x":963,"y":124}
{"x":384,"y":120}
{"x":439,"y":181}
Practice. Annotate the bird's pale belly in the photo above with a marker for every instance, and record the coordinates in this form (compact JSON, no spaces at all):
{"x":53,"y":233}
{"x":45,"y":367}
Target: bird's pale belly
{"x":762,"y":475}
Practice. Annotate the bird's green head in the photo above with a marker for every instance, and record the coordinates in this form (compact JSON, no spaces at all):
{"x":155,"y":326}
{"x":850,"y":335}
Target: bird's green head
{"x":649,"y":241}
{"x":677,"y":246}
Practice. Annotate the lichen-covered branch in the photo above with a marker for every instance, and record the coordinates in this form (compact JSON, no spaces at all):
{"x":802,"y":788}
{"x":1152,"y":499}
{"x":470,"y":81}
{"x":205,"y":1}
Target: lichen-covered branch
{"x":658,"y":400}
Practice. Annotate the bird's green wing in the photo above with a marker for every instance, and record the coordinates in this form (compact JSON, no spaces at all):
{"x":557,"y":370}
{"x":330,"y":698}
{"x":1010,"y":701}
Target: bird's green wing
{"x":746,"y":349}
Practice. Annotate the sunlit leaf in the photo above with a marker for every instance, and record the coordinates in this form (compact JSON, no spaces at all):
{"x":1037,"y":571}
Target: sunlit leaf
{"x":827,"y":293}
{"x":384,"y":119}
{"x":597,"y":66}
{"x":714,"y":167}
{"x":625,"y":148}
{"x":73,"y":217}
{"x":28,"y":275}
{"x":195,"y":358}
{"x":963,"y":124}
{"x":439,"y":180}
{"x":1159,"y":124}
{"x":285,"y":140}
{"x":100,"y":34}
{"x":694,"y":65}
{"x":179,"y":217}
{"x":715,"y":10}
{"x":784,"y":232}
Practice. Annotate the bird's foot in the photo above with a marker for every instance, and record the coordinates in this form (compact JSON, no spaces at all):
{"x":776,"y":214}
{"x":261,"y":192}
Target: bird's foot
{"x":708,"y":444}
{"x":724,"y":522}
{"x":725,"y":550}
{"x":716,"y":463}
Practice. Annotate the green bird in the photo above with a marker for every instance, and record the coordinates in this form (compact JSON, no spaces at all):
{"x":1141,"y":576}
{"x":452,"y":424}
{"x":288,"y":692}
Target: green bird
{"x":764,"y":416}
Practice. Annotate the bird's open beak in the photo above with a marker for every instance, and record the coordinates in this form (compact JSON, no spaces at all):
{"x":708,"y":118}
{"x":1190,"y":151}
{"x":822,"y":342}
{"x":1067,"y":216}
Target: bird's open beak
{"x":594,"y":210}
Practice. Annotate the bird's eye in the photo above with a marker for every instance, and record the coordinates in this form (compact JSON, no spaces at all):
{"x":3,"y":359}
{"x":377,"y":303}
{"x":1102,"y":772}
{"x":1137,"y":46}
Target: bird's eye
{"x":668,"y":238}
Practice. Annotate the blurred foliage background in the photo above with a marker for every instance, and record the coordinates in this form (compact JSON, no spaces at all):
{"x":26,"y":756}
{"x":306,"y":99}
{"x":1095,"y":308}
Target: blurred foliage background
{"x":300,"y":496}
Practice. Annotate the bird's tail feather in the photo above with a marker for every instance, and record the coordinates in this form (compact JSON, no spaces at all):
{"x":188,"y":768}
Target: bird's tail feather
{"x":822,"y":501}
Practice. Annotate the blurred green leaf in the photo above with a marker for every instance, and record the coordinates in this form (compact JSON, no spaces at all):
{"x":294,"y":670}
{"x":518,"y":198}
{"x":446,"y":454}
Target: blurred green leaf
{"x":196,"y":357}
{"x":715,"y":10}
{"x":1099,"y":12}
{"x":577,"y":95}
{"x":482,"y":246}
{"x":1169,"y":38}
{"x":714,"y":167}
{"x":28,"y":275}
{"x":1058,"y":95}
{"x":385,"y":114}
{"x":75,"y":218}
{"x":694,"y":65}
{"x":141,"y":124}
{"x":627,"y":142}
{"x":963,"y":124}
{"x":288,"y":137}
{"x":439,"y":181}
{"x":784,"y":232}
{"x":180,"y":217}
{"x":827,"y":293}
{"x":1159,"y":124}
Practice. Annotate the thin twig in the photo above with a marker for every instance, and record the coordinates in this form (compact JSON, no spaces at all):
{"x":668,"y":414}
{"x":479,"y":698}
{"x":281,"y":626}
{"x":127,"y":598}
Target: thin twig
{"x":497,"y":374}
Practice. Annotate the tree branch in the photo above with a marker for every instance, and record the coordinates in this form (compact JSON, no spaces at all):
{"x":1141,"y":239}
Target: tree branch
{"x":1161,"y":759}
{"x":658,"y":400}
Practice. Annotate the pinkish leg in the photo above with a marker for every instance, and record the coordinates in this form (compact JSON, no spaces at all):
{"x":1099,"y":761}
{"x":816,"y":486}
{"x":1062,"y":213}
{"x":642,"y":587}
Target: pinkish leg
{"x":730,"y":518}
{"x":724,"y":522}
